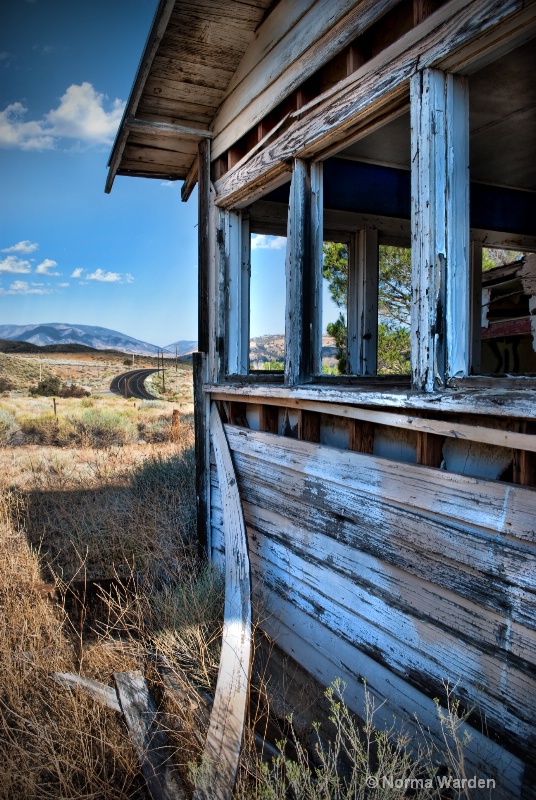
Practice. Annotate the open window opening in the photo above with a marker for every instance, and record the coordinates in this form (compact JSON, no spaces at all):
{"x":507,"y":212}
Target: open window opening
{"x":503,"y":214}
{"x":267,"y":294}
{"x":367,"y":260}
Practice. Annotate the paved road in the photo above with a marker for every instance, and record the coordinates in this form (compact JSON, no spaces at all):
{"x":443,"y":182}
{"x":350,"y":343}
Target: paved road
{"x":131,"y":384}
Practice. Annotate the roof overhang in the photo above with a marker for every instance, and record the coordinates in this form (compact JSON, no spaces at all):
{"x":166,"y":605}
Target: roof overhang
{"x":192,"y":52}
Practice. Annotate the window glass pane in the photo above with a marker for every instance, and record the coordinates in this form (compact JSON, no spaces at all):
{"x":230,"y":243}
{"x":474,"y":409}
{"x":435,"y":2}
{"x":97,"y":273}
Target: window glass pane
{"x":394,"y":298}
{"x":267,"y":302}
{"x":334,"y":309}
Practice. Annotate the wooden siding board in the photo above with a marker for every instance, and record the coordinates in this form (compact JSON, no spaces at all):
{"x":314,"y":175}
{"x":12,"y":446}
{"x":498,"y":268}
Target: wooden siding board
{"x":501,"y":508}
{"x":418,"y":596}
{"x":329,"y":657}
{"x":168,"y":143}
{"x":413,"y":542}
{"x":411,"y":647}
{"x":277,"y":540}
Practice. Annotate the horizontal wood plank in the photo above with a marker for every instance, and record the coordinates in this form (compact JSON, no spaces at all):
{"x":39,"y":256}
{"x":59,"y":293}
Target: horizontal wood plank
{"x":456,"y":430}
{"x":511,"y":401}
{"x":500,"y":508}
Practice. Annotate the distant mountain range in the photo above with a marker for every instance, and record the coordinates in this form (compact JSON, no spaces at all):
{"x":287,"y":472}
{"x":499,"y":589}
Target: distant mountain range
{"x":62,"y":335}
{"x":58,"y":333}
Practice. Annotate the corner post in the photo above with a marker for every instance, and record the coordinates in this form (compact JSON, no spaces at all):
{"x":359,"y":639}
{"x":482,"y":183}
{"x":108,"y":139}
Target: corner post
{"x":201,"y":407}
{"x":440,"y":228}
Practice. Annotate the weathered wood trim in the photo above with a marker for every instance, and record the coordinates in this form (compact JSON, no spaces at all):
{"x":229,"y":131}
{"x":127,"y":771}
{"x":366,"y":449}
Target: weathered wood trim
{"x":204,"y":249}
{"x":153,"y":749}
{"x":458,"y":266}
{"x":432,"y":427}
{"x":512,"y":400}
{"x":440,"y":228}
{"x":316,"y":265}
{"x":297,"y":38}
{"x":381,"y":82}
{"x":224,"y":740}
{"x":202,"y":455}
{"x":237,"y":268}
{"x":297,"y":335}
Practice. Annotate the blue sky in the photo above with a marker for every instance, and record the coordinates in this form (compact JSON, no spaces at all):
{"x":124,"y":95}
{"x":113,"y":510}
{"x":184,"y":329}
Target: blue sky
{"x":68,"y":252}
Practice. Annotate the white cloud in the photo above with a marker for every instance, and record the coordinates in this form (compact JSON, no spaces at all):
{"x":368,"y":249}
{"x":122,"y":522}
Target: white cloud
{"x":14,"y":264}
{"x":14,"y":132}
{"x":23,"y":287}
{"x":105,"y":277}
{"x":77,"y":273}
{"x":21,"y":247}
{"x":45,"y":266}
{"x":260,"y":241}
{"x":63,"y":285}
{"x":81,"y":115}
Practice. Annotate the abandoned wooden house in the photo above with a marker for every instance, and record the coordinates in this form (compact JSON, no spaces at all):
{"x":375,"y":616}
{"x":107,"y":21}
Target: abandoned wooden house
{"x":391,"y":518}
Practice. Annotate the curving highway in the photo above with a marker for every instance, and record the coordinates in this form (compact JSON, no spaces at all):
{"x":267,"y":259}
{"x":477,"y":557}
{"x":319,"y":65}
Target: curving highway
{"x":131,"y":384}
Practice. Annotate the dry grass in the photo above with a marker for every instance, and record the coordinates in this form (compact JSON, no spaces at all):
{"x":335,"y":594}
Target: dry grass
{"x":68,"y":514}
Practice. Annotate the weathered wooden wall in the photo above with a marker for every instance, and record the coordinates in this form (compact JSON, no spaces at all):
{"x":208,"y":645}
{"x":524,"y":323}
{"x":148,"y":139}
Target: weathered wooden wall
{"x":404,"y":575}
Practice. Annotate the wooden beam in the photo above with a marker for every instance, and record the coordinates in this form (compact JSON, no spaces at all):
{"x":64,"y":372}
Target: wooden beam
{"x":455,"y":430}
{"x":99,"y":691}
{"x":152,"y":746}
{"x":440,"y":228}
{"x":157,"y":128}
{"x":525,"y":460}
{"x":224,"y":740}
{"x":203,"y":238}
{"x":190,"y":180}
{"x":457,"y":27}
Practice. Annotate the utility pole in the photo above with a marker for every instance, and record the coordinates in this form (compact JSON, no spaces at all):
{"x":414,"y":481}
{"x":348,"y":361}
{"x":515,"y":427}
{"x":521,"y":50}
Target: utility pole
{"x":176,"y":358}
